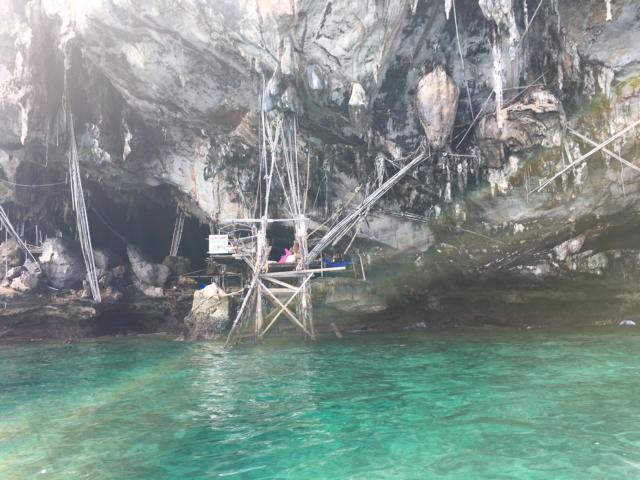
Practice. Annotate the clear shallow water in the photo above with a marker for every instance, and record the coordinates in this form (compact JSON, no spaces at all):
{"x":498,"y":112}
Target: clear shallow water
{"x":462,"y":404}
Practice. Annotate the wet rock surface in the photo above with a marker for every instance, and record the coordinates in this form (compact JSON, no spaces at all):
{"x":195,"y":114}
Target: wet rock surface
{"x":209,"y":316}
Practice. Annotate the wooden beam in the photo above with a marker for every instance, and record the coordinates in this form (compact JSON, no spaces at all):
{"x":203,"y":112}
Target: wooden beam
{"x":283,"y":308}
{"x":236,"y":322}
{"x":588,"y":154}
{"x":343,"y":226}
{"x":300,"y":273}
{"x":259,"y":220}
{"x":605,"y":150}
{"x":278,"y":282}
{"x":286,"y":304}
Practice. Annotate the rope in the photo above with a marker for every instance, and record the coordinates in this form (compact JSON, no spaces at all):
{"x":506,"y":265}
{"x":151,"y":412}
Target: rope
{"x":4,"y":219}
{"x":177,"y":234}
{"x":342,"y":227}
{"x":31,"y":186}
{"x":79,"y":206}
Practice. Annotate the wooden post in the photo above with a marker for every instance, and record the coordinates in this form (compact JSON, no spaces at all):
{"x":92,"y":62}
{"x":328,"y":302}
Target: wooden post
{"x":305,"y":306}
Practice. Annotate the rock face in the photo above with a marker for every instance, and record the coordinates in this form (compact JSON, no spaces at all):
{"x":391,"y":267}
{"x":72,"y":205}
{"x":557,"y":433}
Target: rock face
{"x":348,"y":295}
{"x":148,"y":273}
{"x":62,"y":263}
{"x":28,"y":280}
{"x":10,"y":255}
{"x":168,"y":100}
{"x":209,"y":316}
{"x":536,"y":120}
{"x":177,"y":265}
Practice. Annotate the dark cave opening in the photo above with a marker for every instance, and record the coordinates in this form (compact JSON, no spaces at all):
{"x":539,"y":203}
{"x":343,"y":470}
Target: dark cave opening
{"x":146,"y":219}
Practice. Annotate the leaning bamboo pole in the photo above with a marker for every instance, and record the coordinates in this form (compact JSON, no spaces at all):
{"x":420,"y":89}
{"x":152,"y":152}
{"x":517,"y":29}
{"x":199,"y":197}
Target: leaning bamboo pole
{"x":582,"y":158}
{"x":79,"y":206}
{"x":342,"y":227}
{"x":9,"y":230}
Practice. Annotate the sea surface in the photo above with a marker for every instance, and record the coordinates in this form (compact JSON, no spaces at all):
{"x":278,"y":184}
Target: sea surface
{"x":458,"y":404}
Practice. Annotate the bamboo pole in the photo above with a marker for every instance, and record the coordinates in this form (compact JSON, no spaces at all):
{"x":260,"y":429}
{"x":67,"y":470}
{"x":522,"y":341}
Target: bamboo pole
{"x":286,"y":304}
{"x":284,"y":308}
{"x":588,"y":154}
{"x":281,"y":283}
{"x":342,"y":227}
{"x":301,"y":273}
{"x":245,"y":301}
{"x":605,"y":150}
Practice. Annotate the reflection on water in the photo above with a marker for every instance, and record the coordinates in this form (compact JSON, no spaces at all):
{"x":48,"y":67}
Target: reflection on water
{"x":456,"y":404}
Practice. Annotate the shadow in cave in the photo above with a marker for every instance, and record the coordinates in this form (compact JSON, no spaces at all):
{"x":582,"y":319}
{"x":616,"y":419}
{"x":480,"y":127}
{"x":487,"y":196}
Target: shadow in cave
{"x":144,"y":218}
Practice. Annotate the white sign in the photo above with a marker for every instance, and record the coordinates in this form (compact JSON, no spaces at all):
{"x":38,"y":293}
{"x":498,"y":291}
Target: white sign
{"x":219,"y":244}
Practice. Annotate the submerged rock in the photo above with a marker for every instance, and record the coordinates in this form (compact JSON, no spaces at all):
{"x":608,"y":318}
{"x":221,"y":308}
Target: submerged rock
{"x":209,"y":316}
{"x":149,"y":273}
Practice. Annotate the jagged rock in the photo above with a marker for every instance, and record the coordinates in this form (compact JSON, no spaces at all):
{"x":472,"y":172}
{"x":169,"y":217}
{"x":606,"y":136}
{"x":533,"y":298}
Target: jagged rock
{"x":315,"y":79}
{"x":437,"y":104}
{"x":12,"y":273}
{"x":282,"y":12}
{"x":104,"y":260}
{"x":148,"y":290}
{"x":288,"y":61}
{"x":501,"y":12}
{"x":534,"y":121}
{"x":589,"y":262}
{"x":177,"y":265}
{"x":209,"y":316}
{"x":10,"y":255}
{"x":273,"y":91}
{"x":291,"y":102}
{"x":28,"y":280}
{"x":358,"y":107}
{"x":569,"y":247}
{"x":149,"y":273}
{"x":62,"y":263}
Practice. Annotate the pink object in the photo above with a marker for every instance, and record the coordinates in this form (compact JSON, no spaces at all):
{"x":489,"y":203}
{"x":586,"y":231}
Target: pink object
{"x":283,"y":258}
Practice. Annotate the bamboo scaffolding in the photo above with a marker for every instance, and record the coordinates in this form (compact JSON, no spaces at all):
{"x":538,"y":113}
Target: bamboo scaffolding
{"x":582,"y":158}
{"x":342,"y":227}
{"x":286,"y":304}
{"x":605,"y":150}
{"x":9,"y":230}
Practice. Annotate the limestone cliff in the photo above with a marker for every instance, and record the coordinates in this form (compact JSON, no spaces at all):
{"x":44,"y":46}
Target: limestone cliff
{"x":167,"y":97}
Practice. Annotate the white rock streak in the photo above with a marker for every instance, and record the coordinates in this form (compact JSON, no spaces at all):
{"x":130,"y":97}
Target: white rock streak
{"x":447,"y":7}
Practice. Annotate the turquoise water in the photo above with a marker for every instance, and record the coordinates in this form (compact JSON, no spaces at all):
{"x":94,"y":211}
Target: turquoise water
{"x":462,"y":404}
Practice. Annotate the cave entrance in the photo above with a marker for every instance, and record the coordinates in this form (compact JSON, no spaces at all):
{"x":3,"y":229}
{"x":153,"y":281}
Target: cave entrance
{"x":145,"y":218}
{"x":279,"y":237}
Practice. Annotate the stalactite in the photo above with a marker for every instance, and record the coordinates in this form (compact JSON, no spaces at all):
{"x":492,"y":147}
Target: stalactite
{"x":447,"y":8}
{"x":609,"y":10}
